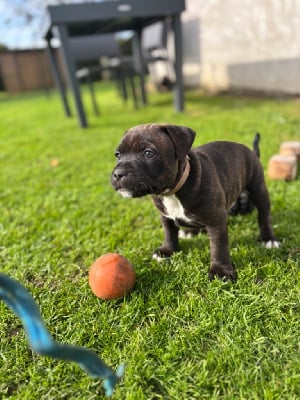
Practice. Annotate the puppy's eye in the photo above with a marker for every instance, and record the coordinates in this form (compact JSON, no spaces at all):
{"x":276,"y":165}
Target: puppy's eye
{"x":149,"y":153}
{"x":117,"y":154}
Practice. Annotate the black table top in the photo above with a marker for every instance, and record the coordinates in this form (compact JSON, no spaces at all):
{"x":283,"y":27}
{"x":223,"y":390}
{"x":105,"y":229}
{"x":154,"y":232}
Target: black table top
{"x":109,"y":16}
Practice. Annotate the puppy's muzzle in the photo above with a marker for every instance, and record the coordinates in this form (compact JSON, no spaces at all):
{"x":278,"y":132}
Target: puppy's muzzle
{"x":129,"y":182}
{"x":117,"y":175}
{"x":117,"y":178}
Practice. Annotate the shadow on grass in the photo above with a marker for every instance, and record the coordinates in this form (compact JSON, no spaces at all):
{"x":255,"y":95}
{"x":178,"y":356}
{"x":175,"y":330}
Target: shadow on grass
{"x":224,"y":101}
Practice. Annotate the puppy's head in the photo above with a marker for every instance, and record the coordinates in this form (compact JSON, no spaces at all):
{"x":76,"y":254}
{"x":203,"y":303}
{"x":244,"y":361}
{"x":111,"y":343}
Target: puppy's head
{"x":148,"y":159}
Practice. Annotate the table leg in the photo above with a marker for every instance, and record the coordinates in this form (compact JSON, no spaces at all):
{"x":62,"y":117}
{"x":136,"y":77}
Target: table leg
{"x":71,"y":73}
{"x":89,"y":81}
{"x":58,"y":79}
{"x":138,"y":59}
{"x":178,"y":87}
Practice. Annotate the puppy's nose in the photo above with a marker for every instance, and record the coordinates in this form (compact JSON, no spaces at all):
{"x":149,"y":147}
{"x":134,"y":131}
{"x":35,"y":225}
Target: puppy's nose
{"x":118,"y":174}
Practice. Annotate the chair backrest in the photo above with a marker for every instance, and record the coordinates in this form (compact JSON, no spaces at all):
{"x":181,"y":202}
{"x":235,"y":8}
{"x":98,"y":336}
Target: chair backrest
{"x":88,"y":49}
{"x":156,"y":51}
{"x":155,"y":36}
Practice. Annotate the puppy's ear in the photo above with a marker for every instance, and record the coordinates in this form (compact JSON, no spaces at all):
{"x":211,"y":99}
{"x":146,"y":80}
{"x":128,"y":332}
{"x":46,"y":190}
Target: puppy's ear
{"x":182,"y":138}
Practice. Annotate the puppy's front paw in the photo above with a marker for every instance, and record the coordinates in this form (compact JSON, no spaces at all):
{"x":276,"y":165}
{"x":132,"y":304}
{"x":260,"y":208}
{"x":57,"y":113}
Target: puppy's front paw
{"x":222,"y":272}
{"x":162,"y":254}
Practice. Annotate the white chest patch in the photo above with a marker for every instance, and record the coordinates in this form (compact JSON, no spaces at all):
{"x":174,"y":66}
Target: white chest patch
{"x":174,"y":209}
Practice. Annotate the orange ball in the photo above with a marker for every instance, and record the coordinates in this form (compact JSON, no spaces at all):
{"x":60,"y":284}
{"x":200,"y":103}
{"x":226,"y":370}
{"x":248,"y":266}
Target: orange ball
{"x":111,"y":276}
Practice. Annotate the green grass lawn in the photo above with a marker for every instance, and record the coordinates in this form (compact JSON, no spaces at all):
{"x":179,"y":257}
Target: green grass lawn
{"x":180,"y":336}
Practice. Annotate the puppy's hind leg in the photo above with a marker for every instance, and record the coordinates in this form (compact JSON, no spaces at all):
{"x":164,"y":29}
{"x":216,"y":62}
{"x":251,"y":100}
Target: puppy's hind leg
{"x":260,"y":198}
{"x":243,"y":205}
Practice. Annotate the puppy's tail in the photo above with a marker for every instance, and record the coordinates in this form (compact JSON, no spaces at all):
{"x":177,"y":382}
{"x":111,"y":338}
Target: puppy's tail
{"x":256,"y":144}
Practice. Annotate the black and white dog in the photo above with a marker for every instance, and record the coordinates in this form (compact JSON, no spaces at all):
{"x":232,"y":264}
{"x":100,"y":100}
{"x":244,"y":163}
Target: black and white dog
{"x":193,"y":188}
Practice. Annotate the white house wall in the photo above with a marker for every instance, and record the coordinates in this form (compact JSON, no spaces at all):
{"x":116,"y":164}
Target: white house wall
{"x":242,"y":44}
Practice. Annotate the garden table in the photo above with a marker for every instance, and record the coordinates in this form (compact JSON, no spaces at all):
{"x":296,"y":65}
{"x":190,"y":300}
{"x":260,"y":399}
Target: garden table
{"x":78,"y":19}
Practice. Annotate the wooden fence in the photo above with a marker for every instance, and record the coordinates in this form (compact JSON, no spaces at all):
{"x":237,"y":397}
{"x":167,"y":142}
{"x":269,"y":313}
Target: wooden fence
{"x":25,"y":70}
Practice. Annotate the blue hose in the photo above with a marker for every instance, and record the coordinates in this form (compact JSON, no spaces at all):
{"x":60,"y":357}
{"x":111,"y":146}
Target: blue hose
{"x":23,"y":305}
